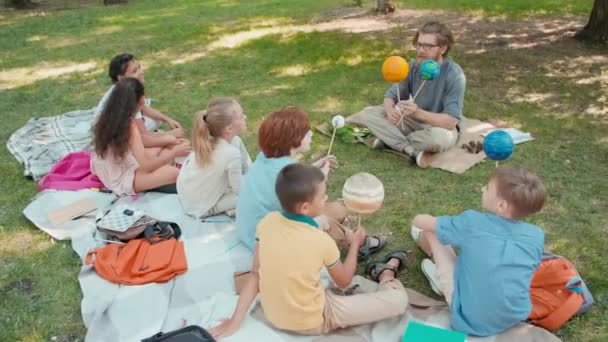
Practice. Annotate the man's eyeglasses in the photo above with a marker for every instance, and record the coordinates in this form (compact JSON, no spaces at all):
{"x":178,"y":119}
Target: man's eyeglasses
{"x":425,"y":46}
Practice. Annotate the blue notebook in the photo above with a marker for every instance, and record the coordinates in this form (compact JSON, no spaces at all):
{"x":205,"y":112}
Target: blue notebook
{"x":418,"y":332}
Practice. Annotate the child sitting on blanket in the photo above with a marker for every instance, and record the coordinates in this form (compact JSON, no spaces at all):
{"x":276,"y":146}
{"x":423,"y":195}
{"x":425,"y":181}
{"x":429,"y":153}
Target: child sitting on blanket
{"x":119,"y":158}
{"x":210,"y":178}
{"x":289,"y":255}
{"x":147,"y":119}
{"x":284,"y":134}
{"x":488,"y":284}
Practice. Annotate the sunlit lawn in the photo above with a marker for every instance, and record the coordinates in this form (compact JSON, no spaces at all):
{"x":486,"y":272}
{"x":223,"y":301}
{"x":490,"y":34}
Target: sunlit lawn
{"x":265,"y":53}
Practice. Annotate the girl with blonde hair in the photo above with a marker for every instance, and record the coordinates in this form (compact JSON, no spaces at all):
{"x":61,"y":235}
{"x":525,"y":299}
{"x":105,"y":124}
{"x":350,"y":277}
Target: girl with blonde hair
{"x":210,"y":178}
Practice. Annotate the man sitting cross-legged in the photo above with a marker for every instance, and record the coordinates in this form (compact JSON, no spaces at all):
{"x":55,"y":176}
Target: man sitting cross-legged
{"x":430,"y":123}
{"x":288,"y":258}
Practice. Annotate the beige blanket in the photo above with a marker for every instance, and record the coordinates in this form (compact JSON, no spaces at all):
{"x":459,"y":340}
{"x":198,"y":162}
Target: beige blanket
{"x":421,"y":309}
{"x":456,"y":159}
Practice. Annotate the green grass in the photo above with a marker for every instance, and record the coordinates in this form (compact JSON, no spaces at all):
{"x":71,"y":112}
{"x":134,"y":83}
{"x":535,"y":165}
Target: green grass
{"x":535,"y":87}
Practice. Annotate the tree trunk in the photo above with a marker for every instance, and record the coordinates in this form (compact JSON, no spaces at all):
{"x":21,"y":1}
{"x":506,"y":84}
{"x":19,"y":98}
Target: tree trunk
{"x":596,"y":29}
{"x":20,"y":4}
{"x":385,"y":6}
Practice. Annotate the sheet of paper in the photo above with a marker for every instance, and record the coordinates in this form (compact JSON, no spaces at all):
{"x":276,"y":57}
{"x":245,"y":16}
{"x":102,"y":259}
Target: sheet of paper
{"x":517,"y":135}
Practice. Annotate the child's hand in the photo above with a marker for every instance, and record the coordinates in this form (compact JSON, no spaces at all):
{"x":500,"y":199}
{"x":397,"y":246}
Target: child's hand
{"x":332,"y":161}
{"x":181,"y":149}
{"x":359,"y":236}
{"x":173,"y":124}
{"x":326,"y":164}
{"x":226,"y":328}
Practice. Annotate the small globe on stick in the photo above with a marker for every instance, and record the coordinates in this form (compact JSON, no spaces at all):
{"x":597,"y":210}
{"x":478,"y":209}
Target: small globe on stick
{"x":395,"y":69}
{"x":429,"y":70}
{"x":338,"y":121}
{"x":498,"y":145}
{"x":363,"y":193}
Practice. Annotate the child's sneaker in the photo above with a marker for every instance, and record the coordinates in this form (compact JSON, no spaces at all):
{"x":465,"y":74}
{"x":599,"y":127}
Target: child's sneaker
{"x":430,"y":271}
{"x":415,"y":231}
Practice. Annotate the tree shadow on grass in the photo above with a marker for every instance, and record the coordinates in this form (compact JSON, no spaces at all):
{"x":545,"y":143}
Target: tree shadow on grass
{"x":38,"y":290}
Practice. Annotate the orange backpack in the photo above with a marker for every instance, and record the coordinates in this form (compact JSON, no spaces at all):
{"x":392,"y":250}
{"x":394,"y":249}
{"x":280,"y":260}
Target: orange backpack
{"x":555,"y":292}
{"x":139,"y":261}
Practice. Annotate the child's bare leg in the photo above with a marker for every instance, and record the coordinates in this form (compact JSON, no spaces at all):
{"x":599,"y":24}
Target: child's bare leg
{"x":152,"y":152}
{"x":149,"y":180}
{"x":423,"y":243}
{"x":445,"y":260}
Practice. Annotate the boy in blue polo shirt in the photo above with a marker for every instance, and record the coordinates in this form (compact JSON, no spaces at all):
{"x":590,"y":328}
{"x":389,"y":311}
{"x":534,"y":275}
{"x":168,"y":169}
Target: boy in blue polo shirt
{"x":488,"y":284}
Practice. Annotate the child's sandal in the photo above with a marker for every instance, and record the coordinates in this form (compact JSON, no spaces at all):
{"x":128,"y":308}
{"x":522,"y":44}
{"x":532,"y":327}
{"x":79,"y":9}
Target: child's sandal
{"x":375,"y":269}
{"x":367,"y":250}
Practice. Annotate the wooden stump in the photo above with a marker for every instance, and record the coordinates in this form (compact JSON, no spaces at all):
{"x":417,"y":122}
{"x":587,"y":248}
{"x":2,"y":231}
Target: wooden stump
{"x":384,"y":6}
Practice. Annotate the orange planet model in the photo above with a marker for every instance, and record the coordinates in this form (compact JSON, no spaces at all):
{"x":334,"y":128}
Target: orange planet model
{"x":395,"y":69}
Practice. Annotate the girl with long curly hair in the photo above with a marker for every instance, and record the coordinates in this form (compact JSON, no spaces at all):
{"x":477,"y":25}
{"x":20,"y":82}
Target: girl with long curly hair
{"x":119,"y":158}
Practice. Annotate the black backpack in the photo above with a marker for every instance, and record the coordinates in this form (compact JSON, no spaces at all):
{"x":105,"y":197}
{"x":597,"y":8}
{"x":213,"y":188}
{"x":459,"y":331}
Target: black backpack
{"x":192,"y":333}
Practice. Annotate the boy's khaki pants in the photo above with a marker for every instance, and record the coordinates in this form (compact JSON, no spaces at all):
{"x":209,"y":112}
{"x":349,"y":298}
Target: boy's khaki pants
{"x":389,"y":300}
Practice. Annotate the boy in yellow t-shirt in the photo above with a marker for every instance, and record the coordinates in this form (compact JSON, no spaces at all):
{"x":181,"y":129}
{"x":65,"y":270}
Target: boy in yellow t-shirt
{"x":289,"y":255}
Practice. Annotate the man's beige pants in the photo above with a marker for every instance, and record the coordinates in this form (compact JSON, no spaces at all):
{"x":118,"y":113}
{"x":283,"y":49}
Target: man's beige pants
{"x":389,"y":300}
{"x":409,"y":133}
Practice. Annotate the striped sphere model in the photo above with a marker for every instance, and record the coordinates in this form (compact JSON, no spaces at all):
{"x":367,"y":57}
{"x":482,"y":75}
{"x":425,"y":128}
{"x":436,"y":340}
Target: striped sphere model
{"x":363,"y":193}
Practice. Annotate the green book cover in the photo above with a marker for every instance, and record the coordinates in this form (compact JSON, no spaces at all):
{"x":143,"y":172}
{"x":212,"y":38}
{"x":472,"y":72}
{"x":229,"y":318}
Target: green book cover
{"x":418,"y":332}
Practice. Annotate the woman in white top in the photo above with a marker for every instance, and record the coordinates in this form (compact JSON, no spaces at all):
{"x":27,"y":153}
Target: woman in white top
{"x":209,"y":181}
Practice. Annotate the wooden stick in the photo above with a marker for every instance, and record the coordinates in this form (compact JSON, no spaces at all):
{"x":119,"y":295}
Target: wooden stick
{"x":497,"y":164}
{"x":333,"y":136}
{"x":401,"y":120}
{"x":419,"y":89}
{"x":398,"y":95}
{"x":413,"y":100}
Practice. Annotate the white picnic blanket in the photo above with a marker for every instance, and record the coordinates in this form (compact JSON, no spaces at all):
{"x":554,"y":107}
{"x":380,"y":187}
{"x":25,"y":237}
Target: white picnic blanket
{"x":41,"y":142}
{"x":205,"y":293}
